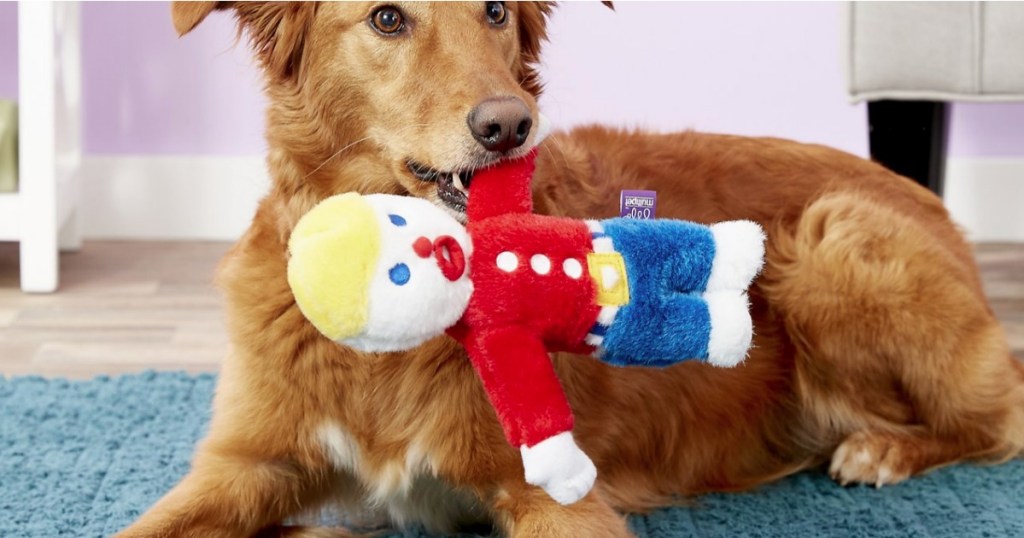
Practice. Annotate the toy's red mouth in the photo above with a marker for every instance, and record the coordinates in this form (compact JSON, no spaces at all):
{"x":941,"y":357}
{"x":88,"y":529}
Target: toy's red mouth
{"x":447,"y":252}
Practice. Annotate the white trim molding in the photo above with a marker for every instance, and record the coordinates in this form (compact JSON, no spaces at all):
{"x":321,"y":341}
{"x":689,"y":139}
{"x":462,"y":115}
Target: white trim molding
{"x":214,"y":197}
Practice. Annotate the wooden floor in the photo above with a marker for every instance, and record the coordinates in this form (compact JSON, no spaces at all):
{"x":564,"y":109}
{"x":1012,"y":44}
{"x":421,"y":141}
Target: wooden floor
{"x":122,"y":306}
{"x":130,"y":306}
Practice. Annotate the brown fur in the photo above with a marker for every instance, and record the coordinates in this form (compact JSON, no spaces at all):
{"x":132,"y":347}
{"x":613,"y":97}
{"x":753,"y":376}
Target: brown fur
{"x":875,"y":346}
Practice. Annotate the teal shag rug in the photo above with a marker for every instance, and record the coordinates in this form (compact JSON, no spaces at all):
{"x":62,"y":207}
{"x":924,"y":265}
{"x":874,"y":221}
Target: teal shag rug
{"x":85,"y":458}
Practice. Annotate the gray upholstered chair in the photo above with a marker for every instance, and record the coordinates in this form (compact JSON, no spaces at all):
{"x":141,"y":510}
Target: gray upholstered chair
{"x":910,"y":59}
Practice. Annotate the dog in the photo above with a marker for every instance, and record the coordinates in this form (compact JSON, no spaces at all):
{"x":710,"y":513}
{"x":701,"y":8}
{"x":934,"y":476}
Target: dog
{"x":876,"y":355}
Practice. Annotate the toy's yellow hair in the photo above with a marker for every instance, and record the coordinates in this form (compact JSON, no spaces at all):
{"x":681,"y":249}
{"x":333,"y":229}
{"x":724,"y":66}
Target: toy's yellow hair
{"x":334,"y":251}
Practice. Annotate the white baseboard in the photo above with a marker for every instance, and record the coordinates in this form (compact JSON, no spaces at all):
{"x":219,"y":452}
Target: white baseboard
{"x":986,"y":197}
{"x":214,"y":198}
{"x":170,"y":197}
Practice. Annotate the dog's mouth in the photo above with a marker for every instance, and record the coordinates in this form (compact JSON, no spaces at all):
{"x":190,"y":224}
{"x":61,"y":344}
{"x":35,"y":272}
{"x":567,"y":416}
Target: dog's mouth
{"x":452,"y":187}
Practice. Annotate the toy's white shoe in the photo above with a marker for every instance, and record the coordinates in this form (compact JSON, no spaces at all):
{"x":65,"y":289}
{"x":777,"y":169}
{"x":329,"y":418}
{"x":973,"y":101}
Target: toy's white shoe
{"x":558,"y":466}
{"x":739,"y":254}
{"x":732,"y":330}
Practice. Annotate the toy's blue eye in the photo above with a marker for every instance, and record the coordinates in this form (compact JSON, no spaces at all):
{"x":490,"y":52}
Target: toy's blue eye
{"x":397,"y":220}
{"x":399,"y":274}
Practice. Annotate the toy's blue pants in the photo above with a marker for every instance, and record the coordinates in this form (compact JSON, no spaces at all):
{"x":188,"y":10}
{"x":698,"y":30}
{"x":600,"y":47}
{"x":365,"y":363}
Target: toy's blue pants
{"x":666,"y":321}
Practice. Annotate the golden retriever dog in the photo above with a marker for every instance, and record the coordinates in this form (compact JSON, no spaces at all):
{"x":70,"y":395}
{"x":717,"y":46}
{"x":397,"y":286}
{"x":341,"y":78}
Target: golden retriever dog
{"x":876,"y":355}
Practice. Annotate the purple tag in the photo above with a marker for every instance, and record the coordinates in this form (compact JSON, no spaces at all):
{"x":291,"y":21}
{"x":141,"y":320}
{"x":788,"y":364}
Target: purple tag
{"x":638,"y":204}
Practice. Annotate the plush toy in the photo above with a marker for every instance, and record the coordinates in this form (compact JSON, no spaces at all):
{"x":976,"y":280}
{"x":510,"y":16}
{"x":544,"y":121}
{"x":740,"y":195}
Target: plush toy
{"x":386,"y":273}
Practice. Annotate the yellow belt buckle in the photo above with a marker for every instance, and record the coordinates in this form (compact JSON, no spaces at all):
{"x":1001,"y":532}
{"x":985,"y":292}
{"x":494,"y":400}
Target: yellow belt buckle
{"x":608,"y":271}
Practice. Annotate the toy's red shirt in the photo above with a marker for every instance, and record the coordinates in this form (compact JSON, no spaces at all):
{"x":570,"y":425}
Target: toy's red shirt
{"x":532,"y":293}
{"x":530,"y":271}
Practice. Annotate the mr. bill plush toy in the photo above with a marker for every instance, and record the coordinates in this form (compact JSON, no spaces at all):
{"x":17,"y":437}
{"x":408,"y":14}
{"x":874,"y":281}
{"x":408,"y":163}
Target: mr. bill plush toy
{"x":387,"y":273}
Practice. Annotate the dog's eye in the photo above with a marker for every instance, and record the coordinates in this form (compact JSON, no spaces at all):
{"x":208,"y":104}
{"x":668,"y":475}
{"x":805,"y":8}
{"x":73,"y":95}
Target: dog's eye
{"x":397,"y":220}
{"x":399,"y":274}
{"x":496,"y":13}
{"x":387,"y":20}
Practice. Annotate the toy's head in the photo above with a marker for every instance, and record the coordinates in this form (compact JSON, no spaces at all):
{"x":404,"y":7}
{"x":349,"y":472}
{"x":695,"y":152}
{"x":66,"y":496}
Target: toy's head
{"x":380,"y":272}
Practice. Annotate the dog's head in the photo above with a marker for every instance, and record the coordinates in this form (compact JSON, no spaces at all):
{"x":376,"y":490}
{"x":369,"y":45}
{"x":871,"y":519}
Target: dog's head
{"x":401,"y":97}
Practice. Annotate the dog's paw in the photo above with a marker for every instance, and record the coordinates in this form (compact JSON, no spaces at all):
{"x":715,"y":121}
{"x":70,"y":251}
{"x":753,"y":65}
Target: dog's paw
{"x":871,"y":458}
{"x":560,"y":468}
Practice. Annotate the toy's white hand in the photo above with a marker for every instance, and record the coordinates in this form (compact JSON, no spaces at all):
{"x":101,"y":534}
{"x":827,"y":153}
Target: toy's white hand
{"x":739,"y":255}
{"x":732,"y":330}
{"x":558,"y":466}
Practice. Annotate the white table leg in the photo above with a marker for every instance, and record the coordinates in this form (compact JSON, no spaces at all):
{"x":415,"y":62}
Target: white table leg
{"x":37,"y":183}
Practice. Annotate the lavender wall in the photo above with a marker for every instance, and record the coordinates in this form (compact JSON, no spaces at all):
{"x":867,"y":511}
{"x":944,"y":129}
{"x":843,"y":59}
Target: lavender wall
{"x":745,"y":68}
{"x":987,"y":130}
{"x":8,"y":50}
{"x":148,"y":92}
{"x":749,"y":68}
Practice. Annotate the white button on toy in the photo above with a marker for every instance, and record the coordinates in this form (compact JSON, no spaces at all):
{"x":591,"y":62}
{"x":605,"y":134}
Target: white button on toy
{"x":609,"y":277}
{"x":540,"y":264}
{"x":507,"y":261}
{"x":572,"y":268}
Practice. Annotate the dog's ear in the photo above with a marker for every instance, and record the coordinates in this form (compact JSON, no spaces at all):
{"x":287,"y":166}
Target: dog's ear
{"x":277,"y":30}
{"x":188,"y":15}
{"x":533,"y":18}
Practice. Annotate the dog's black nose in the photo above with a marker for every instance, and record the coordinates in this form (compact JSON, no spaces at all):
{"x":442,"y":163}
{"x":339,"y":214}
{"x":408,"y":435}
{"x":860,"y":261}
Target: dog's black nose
{"x":500,"y":124}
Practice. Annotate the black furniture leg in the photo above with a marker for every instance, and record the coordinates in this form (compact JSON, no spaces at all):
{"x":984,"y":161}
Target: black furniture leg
{"x":909,"y":138}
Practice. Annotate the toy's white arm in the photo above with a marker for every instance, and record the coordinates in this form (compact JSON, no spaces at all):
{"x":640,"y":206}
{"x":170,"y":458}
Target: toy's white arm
{"x":558,"y":466}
